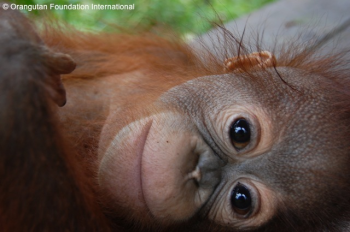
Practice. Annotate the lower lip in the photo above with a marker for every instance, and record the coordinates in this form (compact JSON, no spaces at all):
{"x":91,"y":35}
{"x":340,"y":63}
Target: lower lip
{"x":120,"y":166}
{"x":139,"y":143}
{"x":135,"y":139}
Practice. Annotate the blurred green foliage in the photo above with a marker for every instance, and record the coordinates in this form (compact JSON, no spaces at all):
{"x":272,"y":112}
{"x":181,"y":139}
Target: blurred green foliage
{"x":183,"y":16}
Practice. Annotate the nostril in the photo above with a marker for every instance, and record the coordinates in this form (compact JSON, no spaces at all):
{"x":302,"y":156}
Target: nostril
{"x":196,"y":175}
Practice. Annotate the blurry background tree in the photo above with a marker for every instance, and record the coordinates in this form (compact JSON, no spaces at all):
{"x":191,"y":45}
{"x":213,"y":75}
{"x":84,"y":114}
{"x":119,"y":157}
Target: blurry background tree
{"x":183,"y":16}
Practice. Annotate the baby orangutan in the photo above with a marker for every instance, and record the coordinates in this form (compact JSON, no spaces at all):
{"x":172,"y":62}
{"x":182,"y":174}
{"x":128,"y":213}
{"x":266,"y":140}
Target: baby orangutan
{"x":158,"y":137}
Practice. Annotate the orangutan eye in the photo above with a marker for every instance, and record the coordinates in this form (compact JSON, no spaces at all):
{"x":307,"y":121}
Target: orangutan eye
{"x":240,"y":133}
{"x":241,"y":200}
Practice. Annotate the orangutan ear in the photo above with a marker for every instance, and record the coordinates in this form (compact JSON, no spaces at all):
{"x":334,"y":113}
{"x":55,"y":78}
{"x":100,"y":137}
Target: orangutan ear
{"x":255,"y":60}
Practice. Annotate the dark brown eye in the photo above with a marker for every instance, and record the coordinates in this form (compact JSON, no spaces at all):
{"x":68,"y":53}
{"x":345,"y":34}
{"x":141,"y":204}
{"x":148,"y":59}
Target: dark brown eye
{"x":241,"y":200}
{"x":240,"y":133}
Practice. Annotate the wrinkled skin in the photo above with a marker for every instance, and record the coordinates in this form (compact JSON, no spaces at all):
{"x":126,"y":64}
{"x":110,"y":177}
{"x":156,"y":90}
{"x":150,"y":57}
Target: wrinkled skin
{"x":180,"y":161}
